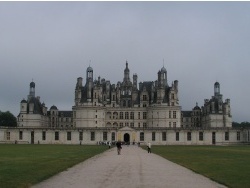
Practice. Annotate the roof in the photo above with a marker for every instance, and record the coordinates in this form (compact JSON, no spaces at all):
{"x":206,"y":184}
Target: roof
{"x":32,"y":84}
{"x":186,"y":113}
{"x":53,"y":107}
{"x":38,"y":108}
{"x":23,"y":101}
{"x":65,"y":113}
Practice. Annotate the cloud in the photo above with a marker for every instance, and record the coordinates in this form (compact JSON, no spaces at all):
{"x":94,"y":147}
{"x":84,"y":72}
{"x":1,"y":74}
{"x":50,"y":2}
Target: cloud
{"x":54,"y":42}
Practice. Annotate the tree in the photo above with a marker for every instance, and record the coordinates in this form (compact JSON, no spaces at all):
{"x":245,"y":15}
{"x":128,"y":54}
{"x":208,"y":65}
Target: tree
{"x":244,"y":124}
{"x":7,"y":119}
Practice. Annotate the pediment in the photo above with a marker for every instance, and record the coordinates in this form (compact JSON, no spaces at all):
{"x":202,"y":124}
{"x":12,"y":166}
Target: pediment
{"x":126,"y":129}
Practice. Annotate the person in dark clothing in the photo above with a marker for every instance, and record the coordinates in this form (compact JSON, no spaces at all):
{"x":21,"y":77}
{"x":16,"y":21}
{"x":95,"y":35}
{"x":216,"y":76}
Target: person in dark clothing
{"x":119,"y":147}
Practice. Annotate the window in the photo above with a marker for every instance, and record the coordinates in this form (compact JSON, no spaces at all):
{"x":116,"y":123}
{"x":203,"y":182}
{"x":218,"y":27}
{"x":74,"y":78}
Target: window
{"x":139,"y":125}
{"x":169,"y":124}
{"x":129,"y":103}
{"x":81,"y":136}
{"x":144,"y":97}
{"x":169,"y":114}
{"x":126,"y":124}
{"x":177,"y":136}
{"x":226,"y":135}
{"x":105,"y":136}
{"x":238,"y":135}
{"x":126,"y":115}
{"x":44,"y":135}
{"x":141,"y":136}
{"x":153,"y":136}
{"x":131,"y":124}
{"x":131,"y":115}
{"x":56,"y":135}
{"x":164,"y":136}
{"x":68,"y":135}
{"x":172,"y":96}
{"x":144,"y":125}
{"x":113,"y":136}
{"x":121,"y":115}
{"x":92,"y":136}
{"x":20,"y":135}
{"x":174,"y":124}
{"x":8,"y":135}
{"x":139,"y":114}
{"x":113,"y":97}
{"x":174,"y":114}
{"x":201,"y":136}
{"x":189,"y":136}
{"x":144,"y":115}
{"x":121,"y":124}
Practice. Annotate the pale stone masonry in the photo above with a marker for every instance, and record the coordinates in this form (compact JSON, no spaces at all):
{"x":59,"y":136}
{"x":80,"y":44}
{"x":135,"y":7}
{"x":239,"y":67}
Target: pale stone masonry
{"x":126,"y":111}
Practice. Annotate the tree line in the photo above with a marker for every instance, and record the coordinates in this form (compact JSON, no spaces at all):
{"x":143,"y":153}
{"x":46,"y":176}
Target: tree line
{"x":7,"y":119}
{"x":244,"y":124}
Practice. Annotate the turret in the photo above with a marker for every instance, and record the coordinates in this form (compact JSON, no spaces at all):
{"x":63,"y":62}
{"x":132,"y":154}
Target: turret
{"x":164,"y":76}
{"x":216,"y":89}
{"x":32,"y":90}
{"x":89,"y":83}
{"x":23,"y":106}
{"x":89,"y":75}
{"x":135,"y":81}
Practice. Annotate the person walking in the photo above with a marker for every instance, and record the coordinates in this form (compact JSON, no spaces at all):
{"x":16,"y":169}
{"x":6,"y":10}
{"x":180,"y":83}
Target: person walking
{"x":149,"y":147}
{"x":119,"y":147}
{"x":109,"y":145}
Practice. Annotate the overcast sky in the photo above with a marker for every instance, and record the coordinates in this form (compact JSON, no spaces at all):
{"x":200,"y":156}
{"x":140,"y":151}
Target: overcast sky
{"x":54,"y":42}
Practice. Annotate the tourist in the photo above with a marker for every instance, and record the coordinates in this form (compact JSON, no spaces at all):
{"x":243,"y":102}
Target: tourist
{"x":119,"y":147}
{"x":149,"y":147}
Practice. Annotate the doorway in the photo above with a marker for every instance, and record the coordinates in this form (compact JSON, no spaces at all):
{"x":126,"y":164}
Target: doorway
{"x":32,"y":137}
{"x":126,"y":138}
{"x":214,"y":138}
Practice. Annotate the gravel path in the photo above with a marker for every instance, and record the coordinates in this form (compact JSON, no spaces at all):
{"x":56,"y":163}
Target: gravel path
{"x":134,"y":168}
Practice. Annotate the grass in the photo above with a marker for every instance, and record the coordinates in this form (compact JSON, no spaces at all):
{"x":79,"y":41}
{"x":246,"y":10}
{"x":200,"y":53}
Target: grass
{"x":228,"y":165}
{"x":24,"y":165}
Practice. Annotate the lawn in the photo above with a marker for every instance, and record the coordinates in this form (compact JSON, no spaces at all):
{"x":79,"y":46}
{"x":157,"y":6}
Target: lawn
{"x":24,"y":165}
{"x":228,"y":165}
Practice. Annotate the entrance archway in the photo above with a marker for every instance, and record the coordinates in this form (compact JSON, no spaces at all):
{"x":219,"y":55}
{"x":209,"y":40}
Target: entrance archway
{"x":126,"y":138}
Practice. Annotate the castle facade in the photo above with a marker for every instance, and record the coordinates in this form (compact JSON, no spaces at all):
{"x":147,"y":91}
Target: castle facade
{"x":127,"y":111}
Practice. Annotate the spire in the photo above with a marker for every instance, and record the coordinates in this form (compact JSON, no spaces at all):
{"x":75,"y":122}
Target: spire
{"x":126,"y":73}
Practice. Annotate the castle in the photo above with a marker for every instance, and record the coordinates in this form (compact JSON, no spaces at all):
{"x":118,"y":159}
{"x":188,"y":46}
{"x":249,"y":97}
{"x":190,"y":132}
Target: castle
{"x":126,"y":111}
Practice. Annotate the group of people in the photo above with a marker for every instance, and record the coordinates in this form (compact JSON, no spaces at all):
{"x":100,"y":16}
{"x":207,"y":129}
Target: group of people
{"x":119,"y":147}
